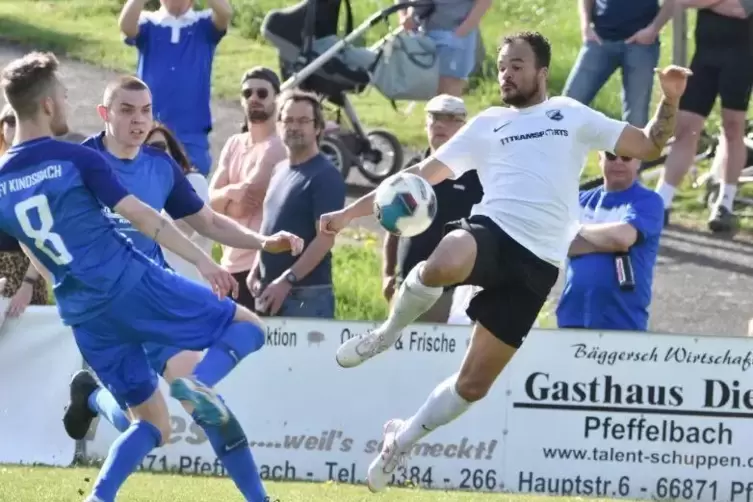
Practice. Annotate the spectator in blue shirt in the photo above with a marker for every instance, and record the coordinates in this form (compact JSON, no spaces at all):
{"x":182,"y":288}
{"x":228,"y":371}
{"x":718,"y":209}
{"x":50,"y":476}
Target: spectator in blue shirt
{"x":176,"y":47}
{"x":302,"y":188}
{"x":621,"y":218}
{"x":619,"y":34}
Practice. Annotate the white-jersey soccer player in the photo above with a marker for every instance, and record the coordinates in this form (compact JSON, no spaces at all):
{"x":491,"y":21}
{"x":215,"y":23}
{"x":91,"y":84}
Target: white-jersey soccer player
{"x":529,"y":157}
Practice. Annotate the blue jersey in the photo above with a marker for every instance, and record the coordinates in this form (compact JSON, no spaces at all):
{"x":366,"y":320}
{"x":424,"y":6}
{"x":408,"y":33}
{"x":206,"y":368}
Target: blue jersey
{"x":51,"y":197}
{"x":156,"y":179}
{"x":591,"y":297}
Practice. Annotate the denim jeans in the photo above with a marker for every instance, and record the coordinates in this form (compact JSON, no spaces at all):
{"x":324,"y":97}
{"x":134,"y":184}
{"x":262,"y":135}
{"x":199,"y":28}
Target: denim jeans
{"x":597,"y":62}
{"x":313,"y":301}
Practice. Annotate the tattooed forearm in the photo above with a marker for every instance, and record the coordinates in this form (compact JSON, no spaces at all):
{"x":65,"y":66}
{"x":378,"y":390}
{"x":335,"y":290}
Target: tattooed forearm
{"x":662,"y":126}
{"x":159,"y":228}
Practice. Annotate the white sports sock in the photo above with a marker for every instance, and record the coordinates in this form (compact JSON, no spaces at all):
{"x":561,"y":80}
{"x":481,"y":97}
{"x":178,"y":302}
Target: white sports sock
{"x":442,"y":407}
{"x":412,"y":300}
{"x":667,"y":193}
{"x":727,"y":195}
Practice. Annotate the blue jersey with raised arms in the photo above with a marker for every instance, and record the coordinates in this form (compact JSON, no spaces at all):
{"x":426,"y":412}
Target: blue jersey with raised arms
{"x":51,"y":196}
{"x":156,"y":179}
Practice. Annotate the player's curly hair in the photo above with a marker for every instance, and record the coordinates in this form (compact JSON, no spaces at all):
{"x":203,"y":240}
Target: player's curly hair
{"x":174,"y":147}
{"x":26,"y":80}
{"x":542,"y":49}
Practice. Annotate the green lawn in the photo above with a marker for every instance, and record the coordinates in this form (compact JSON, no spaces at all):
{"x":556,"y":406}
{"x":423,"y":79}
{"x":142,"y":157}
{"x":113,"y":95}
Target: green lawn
{"x":41,"y":484}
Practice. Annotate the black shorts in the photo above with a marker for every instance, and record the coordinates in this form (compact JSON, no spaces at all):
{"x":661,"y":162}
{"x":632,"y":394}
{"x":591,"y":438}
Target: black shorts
{"x":515,"y":282}
{"x":727,"y":73}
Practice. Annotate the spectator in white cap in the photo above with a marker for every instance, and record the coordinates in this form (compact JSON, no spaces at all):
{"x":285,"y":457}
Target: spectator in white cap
{"x":445,"y":115}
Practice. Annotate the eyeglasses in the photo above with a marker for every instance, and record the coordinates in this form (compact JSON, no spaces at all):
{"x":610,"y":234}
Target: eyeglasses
{"x":610,"y":156}
{"x":159,"y":145}
{"x":250,"y":91}
{"x":296,"y":120}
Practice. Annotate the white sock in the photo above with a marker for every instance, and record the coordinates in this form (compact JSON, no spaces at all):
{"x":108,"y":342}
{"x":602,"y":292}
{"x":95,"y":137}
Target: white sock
{"x":412,"y":300}
{"x":442,"y":407}
{"x":667,"y":193}
{"x":727,"y":195}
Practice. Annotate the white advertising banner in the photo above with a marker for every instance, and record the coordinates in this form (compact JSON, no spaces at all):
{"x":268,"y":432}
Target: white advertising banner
{"x":581,"y":413}
{"x":625,"y":415}
{"x":38,"y":356}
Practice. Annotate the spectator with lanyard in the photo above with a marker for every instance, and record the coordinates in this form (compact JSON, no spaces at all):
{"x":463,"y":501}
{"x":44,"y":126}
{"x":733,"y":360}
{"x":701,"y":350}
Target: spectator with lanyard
{"x":161,"y":138}
{"x":611,"y":261}
{"x":24,"y":285}
{"x":722,"y":65}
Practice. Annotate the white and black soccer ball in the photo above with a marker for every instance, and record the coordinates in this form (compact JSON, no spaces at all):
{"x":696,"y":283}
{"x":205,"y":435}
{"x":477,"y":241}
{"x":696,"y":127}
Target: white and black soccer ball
{"x":405,"y":204}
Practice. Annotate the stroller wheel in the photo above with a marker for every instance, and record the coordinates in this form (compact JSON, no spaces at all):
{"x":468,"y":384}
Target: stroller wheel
{"x":335,"y":150}
{"x":384,"y":157}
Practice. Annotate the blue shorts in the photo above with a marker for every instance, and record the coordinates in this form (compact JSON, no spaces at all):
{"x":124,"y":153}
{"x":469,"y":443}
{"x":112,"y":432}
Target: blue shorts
{"x":163,"y":309}
{"x":457,"y":55}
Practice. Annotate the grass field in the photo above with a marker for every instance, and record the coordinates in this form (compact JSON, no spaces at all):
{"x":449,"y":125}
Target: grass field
{"x":41,"y":484}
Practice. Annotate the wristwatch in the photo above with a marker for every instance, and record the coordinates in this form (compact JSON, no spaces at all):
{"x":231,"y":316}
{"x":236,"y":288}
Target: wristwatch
{"x":290,"y":277}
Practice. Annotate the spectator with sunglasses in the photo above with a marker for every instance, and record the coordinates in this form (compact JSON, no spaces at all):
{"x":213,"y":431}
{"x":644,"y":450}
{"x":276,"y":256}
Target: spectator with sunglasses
{"x":163,"y":139}
{"x":24,"y":284}
{"x":611,"y":261}
{"x":239,"y":184}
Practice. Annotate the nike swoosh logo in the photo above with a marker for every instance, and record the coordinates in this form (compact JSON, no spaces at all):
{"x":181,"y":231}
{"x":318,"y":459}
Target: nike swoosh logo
{"x":500,"y":127}
{"x":425,"y":428}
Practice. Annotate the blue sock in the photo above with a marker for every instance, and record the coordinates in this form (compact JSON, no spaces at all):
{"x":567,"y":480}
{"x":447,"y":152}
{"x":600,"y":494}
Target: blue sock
{"x":239,"y":340}
{"x":102,"y":402}
{"x":125,"y":456}
{"x":231,"y":447}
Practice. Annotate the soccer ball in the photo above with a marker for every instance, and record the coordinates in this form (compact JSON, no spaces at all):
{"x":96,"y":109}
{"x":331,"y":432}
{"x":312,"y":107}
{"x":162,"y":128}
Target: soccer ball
{"x":405,"y":204}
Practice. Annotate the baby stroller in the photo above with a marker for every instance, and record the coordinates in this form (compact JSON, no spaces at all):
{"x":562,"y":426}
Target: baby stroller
{"x":313,"y":57}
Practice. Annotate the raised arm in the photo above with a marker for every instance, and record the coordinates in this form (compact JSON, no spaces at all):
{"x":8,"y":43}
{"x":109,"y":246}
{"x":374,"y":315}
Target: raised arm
{"x":648,"y":143}
{"x":129,"y":17}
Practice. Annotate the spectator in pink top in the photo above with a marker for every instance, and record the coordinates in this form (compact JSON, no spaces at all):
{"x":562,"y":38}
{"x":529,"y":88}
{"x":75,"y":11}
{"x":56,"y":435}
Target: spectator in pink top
{"x":245,"y":167}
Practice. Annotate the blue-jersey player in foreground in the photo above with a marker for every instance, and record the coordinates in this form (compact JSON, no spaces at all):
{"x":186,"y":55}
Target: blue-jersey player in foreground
{"x":154,"y":177}
{"x":114,"y":298}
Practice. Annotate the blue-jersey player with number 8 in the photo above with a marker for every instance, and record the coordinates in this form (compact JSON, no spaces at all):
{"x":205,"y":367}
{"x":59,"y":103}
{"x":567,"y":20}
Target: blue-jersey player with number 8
{"x":113,"y":297}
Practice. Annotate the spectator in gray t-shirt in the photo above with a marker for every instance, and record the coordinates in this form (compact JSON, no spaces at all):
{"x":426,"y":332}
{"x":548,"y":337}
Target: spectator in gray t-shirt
{"x":302,"y":188}
{"x":454,"y":26}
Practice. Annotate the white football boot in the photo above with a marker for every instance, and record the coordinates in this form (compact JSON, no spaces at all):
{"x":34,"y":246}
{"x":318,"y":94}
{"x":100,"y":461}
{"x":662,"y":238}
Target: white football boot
{"x":390,"y":458}
{"x":361,"y":348}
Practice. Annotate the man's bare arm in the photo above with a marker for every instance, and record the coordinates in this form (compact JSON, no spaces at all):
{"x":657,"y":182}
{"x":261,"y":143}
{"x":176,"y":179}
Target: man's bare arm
{"x":430,"y":169}
{"x":222,"y":13}
{"x":609,"y":237}
{"x":129,"y":17}
{"x":389,"y":255}
{"x":647,"y":144}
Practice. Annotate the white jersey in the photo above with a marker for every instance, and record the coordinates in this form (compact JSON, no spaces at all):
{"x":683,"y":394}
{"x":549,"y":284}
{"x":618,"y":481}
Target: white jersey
{"x":529,"y":163}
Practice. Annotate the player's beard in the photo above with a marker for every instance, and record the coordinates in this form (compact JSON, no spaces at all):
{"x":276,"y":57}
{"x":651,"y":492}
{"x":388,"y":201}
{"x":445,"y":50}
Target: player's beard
{"x":522,"y":98}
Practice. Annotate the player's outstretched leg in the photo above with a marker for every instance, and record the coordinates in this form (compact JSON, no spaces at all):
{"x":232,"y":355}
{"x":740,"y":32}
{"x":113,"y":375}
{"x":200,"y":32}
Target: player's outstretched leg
{"x":87,"y":401}
{"x":244,"y":336}
{"x":450,"y":263}
{"x":487,"y":355}
{"x":228,"y":441}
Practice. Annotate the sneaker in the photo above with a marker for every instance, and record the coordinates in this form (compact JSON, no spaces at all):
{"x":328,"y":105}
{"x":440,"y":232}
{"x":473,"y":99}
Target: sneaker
{"x":207,"y":404}
{"x":361,"y":348}
{"x":78,"y":417}
{"x":721,"y":220}
{"x":390,"y":458}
